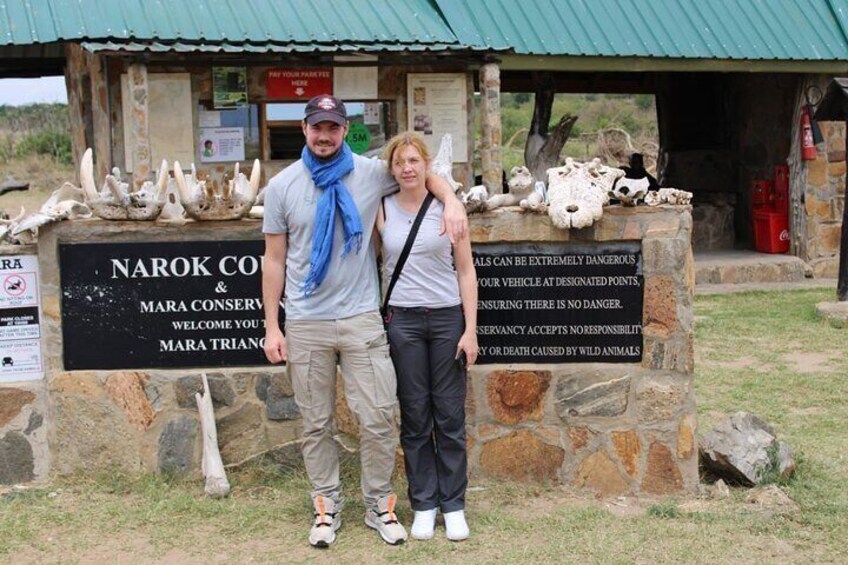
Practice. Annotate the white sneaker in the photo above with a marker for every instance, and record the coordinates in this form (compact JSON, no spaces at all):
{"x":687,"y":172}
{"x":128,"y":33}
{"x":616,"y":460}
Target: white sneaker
{"x":457,"y":528}
{"x":383,"y":519}
{"x":327,"y":521}
{"x":423,"y":524}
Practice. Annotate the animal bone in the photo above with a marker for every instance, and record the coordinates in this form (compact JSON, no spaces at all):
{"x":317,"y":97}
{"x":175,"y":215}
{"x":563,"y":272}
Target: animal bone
{"x":629,"y":191}
{"x":536,"y":201}
{"x":442,"y":165}
{"x":668,"y":196}
{"x":520,"y":187}
{"x":66,"y":202}
{"x":475,"y":199}
{"x":116,"y":201}
{"x":234,"y":202}
{"x":577,"y":192}
{"x":217,"y":485}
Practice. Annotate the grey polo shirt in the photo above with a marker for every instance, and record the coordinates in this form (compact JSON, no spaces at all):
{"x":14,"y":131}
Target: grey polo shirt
{"x":351,"y":286}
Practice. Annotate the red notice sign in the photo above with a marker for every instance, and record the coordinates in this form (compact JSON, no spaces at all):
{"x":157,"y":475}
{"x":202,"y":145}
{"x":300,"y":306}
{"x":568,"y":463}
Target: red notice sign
{"x":298,"y":83}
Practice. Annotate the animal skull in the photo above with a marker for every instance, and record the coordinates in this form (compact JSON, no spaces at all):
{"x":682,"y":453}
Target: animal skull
{"x":442,"y":165}
{"x":203,"y":202}
{"x":629,"y":191}
{"x":577,"y":192}
{"x":116,"y":201}
{"x":668,"y":196}
{"x":520,"y":187}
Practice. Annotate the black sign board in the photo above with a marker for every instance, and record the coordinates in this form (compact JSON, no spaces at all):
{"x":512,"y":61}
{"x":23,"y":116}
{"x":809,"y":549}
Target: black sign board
{"x":559,"y":303}
{"x":175,"y":304}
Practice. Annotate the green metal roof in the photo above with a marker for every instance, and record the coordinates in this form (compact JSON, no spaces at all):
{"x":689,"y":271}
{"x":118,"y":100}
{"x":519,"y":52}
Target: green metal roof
{"x":389,"y":23}
{"x":698,"y":29}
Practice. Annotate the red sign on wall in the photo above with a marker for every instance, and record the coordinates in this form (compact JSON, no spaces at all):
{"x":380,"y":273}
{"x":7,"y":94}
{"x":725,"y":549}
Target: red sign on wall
{"x":298,"y":84}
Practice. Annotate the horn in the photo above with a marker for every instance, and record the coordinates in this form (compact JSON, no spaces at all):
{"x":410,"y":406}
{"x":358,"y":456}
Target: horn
{"x":87,"y":176}
{"x":115,"y":188}
{"x":255,"y":175}
{"x":163,"y":180}
{"x":185,"y":196}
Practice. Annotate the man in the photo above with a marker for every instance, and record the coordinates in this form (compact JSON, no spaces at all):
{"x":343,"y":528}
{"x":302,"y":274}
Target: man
{"x":327,"y":269}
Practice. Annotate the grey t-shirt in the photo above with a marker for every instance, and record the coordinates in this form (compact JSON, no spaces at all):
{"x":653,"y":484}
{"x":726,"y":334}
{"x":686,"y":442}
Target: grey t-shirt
{"x":350,"y":287}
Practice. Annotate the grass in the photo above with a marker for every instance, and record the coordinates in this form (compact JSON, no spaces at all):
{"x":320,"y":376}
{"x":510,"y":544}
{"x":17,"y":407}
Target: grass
{"x":764,"y":353}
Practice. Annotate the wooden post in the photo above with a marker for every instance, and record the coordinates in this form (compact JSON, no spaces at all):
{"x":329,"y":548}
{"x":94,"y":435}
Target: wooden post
{"x":139,"y":126}
{"x":842,"y":281}
{"x":490,"y":142}
{"x":102,"y":138}
{"x":76,"y":77}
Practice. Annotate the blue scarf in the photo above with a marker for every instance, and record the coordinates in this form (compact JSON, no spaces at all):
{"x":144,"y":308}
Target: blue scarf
{"x":327,"y":176}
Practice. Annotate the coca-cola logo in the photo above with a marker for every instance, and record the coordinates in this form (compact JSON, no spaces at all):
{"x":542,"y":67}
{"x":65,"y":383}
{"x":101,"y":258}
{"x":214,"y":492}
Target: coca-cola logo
{"x":784,"y":235}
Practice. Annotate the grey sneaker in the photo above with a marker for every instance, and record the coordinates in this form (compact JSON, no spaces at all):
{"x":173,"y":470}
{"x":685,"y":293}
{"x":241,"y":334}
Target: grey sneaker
{"x":383,"y":519}
{"x":327,"y":521}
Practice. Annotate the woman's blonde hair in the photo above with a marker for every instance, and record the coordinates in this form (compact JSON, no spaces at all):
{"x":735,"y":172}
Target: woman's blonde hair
{"x":402,"y":139}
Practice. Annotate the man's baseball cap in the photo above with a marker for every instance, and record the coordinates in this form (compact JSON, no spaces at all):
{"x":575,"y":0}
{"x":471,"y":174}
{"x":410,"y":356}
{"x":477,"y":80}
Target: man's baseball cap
{"x":325,"y":108}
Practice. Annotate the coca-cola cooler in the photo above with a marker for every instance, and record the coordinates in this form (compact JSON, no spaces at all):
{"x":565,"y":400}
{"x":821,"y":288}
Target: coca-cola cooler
{"x":770,"y":202}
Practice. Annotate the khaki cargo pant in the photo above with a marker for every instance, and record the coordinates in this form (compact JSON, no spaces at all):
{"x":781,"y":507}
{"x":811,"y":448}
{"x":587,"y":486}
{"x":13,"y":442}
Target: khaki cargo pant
{"x":359,"y":344}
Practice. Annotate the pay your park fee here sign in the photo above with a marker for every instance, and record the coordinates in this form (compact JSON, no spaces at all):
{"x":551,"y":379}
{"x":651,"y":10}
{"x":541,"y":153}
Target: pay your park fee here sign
{"x":198,"y":304}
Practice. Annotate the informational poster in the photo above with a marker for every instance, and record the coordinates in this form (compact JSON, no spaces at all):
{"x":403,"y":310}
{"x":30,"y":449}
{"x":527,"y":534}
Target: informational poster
{"x":206,"y":119}
{"x":298,"y":84}
{"x":221,"y":144}
{"x":355,"y":83}
{"x":436,"y":105}
{"x":162,"y":304}
{"x":371,"y":114}
{"x":229,"y":87}
{"x":20,"y":333}
{"x":559,"y":303}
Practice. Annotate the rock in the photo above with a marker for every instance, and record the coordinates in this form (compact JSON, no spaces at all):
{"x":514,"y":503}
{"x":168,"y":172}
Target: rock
{"x":628,"y":447}
{"x":12,"y":401}
{"x":659,"y":400}
{"x":836,"y":313}
{"x":589,"y":395}
{"x":35,"y":422}
{"x":686,"y":437}
{"x":16,"y":460}
{"x":277,"y":393}
{"x":127,"y":391}
{"x":176,"y":446}
{"x":662,"y":475}
{"x":771,"y":497}
{"x":579,"y":437}
{"x":219,"y":386}
{"x":720,"y":490}
{"x":240,"y":434}
{"x":515,"y":396}
{"x":521,"y":456}
{"x":599,"y":473}
{"x":744,"y":450}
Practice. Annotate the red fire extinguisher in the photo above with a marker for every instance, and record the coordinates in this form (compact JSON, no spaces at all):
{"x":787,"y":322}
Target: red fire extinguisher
{"x":808,"y":146}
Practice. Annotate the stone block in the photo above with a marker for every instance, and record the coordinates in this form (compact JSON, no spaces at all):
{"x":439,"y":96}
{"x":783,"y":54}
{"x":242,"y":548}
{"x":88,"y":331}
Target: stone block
{"x":818,"y":208}
{"x":835,"y":156}
{"x":240,"y":434}
{"x":516,"y":396}
{"x":17,"y":464}
{"x":664,"y":256}
{"x":219,"y":387}
{"x":660,"y":400}
{"x":579,"y":437}
{"x":90,"y":433}
{"x":628,"y":447}
{"x":277,"y":393}
{"x":599,"y":473}
{"x":176,"y":446}
{"x":662,"y":475}
{"x":836,"y":168}
{"x":660,"y":306}
{"x":591,"y":395}
{"x":36,"y":420}
{"x":282,"y":408}
{"x":686,"y":437}
{"x":85,"y":383}
{"x":12,"y":401}
{"x":126,"y":389}
{"x":825,"y":267}
{"x":830,"y":236}
{"x":521,"y":456}
{"x":817,"y":172}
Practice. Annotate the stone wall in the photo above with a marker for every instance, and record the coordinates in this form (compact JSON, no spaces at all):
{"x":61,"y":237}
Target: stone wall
{"x":24,"y":455}
{"x":612,"y":428}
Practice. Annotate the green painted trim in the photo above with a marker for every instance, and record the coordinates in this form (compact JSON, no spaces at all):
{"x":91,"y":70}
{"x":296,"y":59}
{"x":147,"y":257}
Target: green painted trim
{"x":647,"y":64}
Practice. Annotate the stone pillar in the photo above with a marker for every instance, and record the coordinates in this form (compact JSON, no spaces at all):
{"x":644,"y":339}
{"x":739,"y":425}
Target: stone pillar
{"x":490,"y":143}
{"x":139,"y":127}
{"x":102,"y":139}
{"x":79,"y":98}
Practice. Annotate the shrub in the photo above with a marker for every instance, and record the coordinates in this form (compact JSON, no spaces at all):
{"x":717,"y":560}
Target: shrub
{"x":51,"y":142}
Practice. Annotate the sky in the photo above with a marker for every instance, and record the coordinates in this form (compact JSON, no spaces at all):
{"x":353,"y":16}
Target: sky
{"x":22,"y":91}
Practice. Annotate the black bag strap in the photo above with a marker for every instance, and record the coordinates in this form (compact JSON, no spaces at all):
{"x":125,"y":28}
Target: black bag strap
{"x":407,"y":248}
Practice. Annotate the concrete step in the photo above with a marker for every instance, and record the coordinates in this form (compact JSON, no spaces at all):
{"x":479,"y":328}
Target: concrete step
{"x":745,"y":267}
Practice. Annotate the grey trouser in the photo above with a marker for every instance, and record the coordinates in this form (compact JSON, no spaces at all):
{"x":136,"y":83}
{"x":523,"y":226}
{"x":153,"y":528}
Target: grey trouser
{"x":359,"y":344}
{"x":431,"y":389}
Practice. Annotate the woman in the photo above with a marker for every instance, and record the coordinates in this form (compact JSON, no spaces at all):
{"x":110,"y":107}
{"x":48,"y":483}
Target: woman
{"x":432,"y":336}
